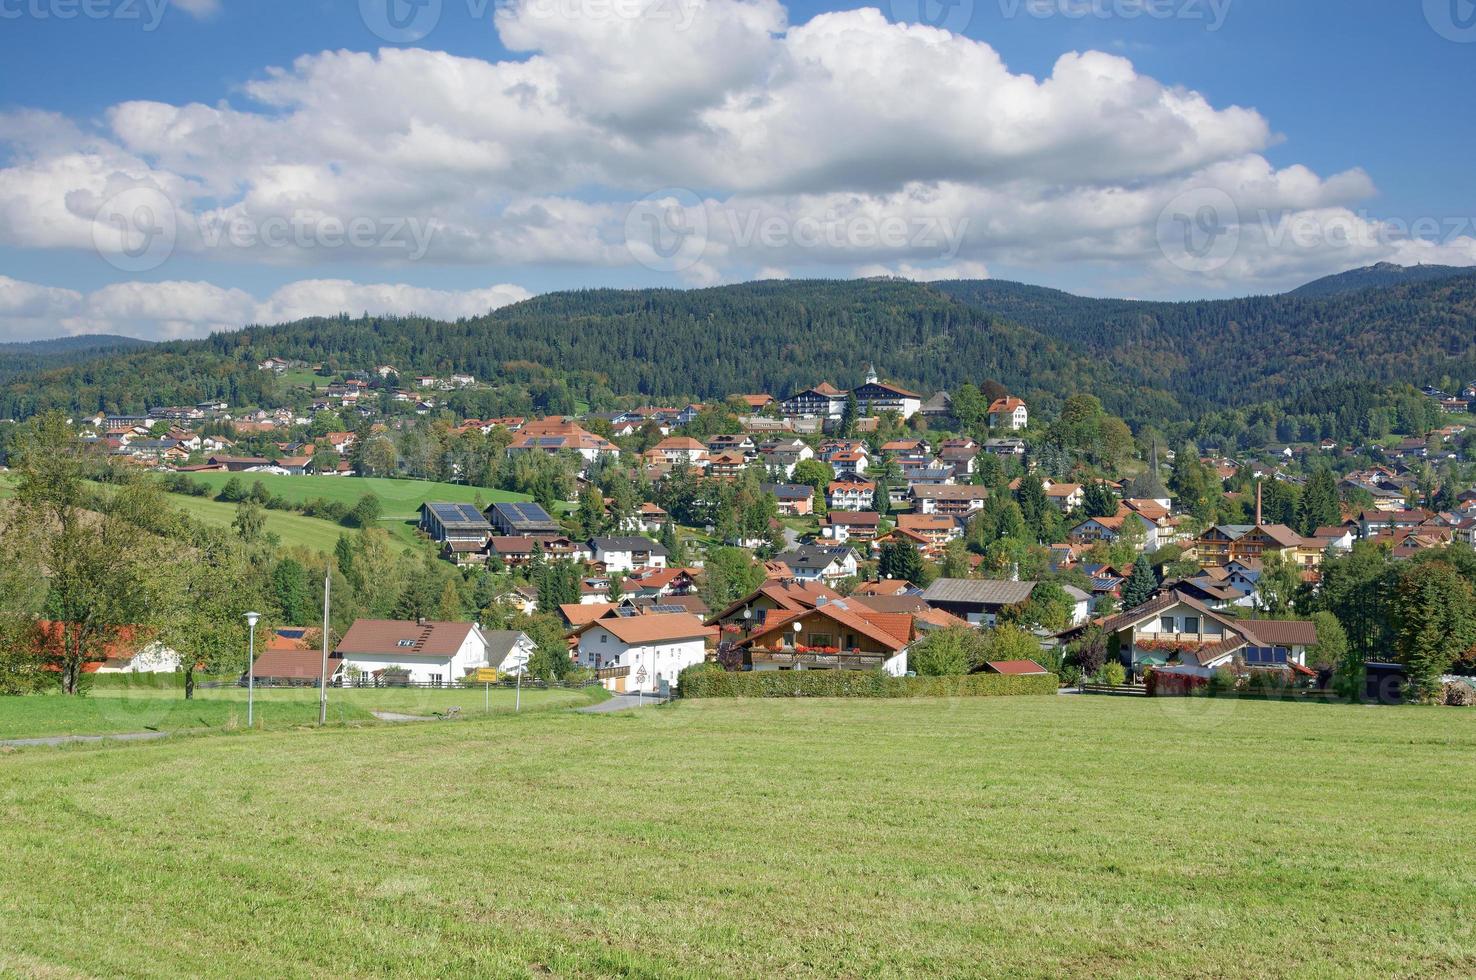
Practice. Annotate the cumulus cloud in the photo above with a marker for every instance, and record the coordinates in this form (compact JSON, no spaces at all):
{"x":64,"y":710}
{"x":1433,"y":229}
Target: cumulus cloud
{"x":846,"y":141}
{"x":178,"y":310}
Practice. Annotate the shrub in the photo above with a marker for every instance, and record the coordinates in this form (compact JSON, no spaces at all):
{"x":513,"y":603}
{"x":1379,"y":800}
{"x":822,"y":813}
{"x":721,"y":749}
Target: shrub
{"x":1459,"y":694}
{"x":1113,"y":673}
{"x":711,"y":681}
{"x":1070,"y":676}
{"x":1162,"y":684}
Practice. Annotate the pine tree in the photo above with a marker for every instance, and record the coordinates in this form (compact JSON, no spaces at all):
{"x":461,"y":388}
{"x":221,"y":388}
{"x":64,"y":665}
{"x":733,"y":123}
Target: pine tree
{"x":1319,"y":504}
{"x":1140,"y":586}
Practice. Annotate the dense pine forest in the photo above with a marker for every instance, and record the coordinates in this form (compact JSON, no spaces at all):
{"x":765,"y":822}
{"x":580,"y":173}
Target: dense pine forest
{"x":1294,"y":366}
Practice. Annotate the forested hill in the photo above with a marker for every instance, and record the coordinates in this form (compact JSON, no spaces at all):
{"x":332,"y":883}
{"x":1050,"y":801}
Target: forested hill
{"x":658,"y":344}
{"x":1384,"y":274}
{"x":1157,"y":362}
{"x":42,"y":355}
{"x":1241,"y":351}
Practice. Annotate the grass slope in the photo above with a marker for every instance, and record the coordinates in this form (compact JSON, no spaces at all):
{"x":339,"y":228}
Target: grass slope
{"x":401,"y":498}
{"x":944,"y":838}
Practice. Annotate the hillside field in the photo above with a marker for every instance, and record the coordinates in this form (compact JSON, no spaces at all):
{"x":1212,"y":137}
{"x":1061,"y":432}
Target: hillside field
{"x":401,"y":498}
{"x":1009,"y":836}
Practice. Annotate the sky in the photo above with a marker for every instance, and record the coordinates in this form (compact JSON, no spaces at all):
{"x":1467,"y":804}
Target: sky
{"x":169,"y":168}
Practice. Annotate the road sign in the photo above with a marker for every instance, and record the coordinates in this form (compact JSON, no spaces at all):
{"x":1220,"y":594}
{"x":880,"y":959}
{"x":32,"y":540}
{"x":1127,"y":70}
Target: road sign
{"x":486,"y":675}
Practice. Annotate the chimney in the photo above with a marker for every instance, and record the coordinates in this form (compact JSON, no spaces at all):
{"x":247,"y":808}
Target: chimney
{"x":420,"y":620}
{"x":1258,"y":503}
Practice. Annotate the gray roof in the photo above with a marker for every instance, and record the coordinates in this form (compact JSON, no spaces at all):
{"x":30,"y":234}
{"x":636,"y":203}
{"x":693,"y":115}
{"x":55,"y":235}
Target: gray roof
{"x":984,"y":592}
{"x":500,"y":645}
{"x":813,"y":556}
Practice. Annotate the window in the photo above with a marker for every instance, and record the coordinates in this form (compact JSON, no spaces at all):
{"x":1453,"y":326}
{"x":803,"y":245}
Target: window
{"x":604,"y":637}
{"x":1191,"y":624}
{"x":820,"y":640}
{"x":1166,"y":624}
{"x":405,"y":643}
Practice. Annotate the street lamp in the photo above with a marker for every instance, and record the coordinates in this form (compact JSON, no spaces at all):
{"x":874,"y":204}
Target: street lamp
{"x":251,"y":619}
{"x":798,"y":664}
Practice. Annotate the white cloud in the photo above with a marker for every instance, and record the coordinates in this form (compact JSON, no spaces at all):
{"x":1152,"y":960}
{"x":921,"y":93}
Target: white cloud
{"x":823,"y":133}
{"x":176,"y":310}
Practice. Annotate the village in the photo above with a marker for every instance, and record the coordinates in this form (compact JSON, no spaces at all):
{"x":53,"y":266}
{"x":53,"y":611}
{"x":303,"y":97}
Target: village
{"x":869,"y":523}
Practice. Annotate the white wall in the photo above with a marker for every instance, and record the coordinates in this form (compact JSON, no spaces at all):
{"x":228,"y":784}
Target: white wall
{"x":660,"y":660}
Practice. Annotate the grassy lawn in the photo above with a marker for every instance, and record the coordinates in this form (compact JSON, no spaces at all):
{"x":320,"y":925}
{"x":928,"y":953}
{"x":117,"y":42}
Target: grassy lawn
{"x":291,"y":528}
{"x":1009,"y":836}
{"x":401,"y":498}
{"x":110,"y":711}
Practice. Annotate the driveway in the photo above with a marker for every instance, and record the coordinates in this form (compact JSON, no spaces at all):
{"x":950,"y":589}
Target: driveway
{"x":621,"y":702}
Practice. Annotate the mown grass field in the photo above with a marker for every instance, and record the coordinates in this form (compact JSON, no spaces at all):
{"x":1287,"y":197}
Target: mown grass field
{"x":1010,"y":836}
{"x":113,"y":710}
{"x":401,"y":498}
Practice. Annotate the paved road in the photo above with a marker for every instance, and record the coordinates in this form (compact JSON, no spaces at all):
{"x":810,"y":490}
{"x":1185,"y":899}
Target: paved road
{"x":621,"y":702}
{"x":26,"y":743}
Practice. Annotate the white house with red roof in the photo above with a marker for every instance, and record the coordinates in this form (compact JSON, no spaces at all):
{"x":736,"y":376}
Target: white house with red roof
{"x":1008,"y":413}
{"x":431,"y":652}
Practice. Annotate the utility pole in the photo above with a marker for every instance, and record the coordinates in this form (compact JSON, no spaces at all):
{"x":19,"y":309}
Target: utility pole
{"x":323,"y":677}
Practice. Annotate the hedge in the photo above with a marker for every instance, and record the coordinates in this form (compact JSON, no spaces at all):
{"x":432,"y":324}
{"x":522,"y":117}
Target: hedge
{"x":711,"y":681}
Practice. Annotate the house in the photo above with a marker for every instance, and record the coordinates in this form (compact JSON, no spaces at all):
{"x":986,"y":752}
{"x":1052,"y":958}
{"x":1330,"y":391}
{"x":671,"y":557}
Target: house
{"x":624,"y":554}
{"x":554,"y":436}
{"x":794,"y":499}
{"x":976,"y":601}
{"x":1066,"y":496}
{"x":509,"y":650}
{"x":642,"y":653}
{"x":651,"y":518}
{"x":937,"y":529}
{"x":1004,"y":447}
{"x":954,"y":501}
{"x":1182,"y":635}
{"x":1220,"y":545}
{"x":1008,"y":413}
{"x":457,"y":522}
{"x":876,"y":397}
{"x":820,"y":563}
{"x":838,"y":634}
{"x":851,"y":494}
{"x":727,"y":465}
{"x":842,"y":526}
{"x":512,"y":518}
{"x":1109,"y":529}
{"x":679,"y":449}
{"x":431,"y":653}
{"x":774,"y":596}
{"x":823,"y":401}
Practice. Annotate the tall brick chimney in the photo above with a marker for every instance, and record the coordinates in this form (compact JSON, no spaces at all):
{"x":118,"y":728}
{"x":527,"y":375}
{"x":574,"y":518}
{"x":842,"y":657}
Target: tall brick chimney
{"x":1258,"y":503}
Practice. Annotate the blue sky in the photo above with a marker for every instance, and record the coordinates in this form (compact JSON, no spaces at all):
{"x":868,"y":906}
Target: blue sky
{"x":1305,"y":120}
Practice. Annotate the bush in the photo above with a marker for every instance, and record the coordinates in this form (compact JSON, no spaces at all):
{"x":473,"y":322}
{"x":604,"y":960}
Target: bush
{"x":711,"y":681}
{"x":1162,"y":684}
{"x":1114,"y":674}
{"x":1459,"y":694}
{"x":1070,"y":676}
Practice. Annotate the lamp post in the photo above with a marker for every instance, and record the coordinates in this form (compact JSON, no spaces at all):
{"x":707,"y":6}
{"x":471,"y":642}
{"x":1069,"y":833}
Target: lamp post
{"x":798,"y":664}
{"x":251,"y":619}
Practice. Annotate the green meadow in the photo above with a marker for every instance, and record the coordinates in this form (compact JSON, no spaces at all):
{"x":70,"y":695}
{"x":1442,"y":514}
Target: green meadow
{"x":107,"y":710}
{"x":988,"y":837}
{"x":401,"y":498}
